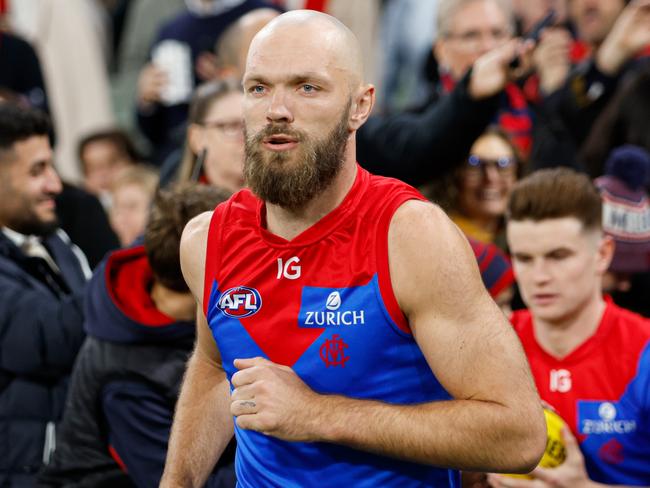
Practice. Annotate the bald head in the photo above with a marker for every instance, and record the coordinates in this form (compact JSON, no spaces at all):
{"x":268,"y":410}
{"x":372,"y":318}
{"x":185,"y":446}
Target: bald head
{"x":325,"y":38}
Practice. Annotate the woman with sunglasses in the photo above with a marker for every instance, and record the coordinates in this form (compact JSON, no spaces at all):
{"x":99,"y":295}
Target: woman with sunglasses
{"x":476,"y":194}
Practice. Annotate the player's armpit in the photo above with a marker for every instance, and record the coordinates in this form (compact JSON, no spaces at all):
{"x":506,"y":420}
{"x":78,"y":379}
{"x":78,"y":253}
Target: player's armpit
{"x":193,"y":251}
{"x":192,"y":254}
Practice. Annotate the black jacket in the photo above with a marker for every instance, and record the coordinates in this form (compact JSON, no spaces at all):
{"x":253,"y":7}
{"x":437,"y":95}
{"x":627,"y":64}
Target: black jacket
{"x":40,"y":333}
{"x":416,"y":147}
{"x":124,"y":385}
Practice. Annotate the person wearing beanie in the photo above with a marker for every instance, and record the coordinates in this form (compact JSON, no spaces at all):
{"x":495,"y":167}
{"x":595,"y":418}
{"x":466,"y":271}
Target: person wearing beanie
{"x":626,"y":218}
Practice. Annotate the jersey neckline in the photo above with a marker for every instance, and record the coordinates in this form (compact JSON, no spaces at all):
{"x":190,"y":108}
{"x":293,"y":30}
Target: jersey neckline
{"x":587,"y":347}
{"x":321,"y":228}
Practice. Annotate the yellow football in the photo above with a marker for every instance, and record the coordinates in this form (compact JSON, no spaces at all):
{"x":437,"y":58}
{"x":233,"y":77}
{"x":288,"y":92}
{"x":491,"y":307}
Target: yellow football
{"x":555,"y":452}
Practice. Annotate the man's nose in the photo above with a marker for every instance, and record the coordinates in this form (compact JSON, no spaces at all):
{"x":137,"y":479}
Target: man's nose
{"x":278,"y":110}
{"x":491,"y":173}
{"x":53,"y":183}
{"x":487,"y":43}
{"x":540,"y":272}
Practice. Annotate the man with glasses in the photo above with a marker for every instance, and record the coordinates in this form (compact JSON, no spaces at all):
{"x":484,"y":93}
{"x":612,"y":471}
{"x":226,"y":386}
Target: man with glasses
{"x":467,"y":30}
{"x":474,"y":49}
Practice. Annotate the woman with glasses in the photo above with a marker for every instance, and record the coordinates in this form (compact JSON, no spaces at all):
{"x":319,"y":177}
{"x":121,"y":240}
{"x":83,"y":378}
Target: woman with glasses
{"x":476,"y":194}
{"x":214,"y":147}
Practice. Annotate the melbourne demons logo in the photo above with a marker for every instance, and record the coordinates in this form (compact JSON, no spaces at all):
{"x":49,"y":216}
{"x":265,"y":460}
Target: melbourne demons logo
{"x":240,"y":302}
{"x":332,"y":352}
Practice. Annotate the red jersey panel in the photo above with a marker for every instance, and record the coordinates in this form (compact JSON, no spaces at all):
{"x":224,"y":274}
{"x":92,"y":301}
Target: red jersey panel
{"x":602,"y":390}
{"x":323,"y":304}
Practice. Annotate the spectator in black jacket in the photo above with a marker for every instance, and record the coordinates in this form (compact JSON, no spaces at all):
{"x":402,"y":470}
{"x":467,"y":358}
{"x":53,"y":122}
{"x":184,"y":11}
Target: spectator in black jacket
{"x":616,"y":41}
{"x":42,"y":277}
{"x":140,"y":325}
{"x":417,"y":147}
{"x":625,"y":120}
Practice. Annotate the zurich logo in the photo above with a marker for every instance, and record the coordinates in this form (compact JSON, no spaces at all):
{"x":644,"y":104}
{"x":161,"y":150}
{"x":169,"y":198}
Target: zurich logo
{"x":333,"y":301}
{"x":607,"y":411}
{"x":240,"y":302}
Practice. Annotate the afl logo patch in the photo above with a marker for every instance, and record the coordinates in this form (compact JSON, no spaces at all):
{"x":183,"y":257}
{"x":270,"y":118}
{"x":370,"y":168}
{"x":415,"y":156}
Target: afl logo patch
{"x":240,"y":302}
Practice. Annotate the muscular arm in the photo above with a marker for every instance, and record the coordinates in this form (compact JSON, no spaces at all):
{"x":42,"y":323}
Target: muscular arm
{"x":494,"y":423}
{"x":495,"y":418}
{"x":202,"y":424}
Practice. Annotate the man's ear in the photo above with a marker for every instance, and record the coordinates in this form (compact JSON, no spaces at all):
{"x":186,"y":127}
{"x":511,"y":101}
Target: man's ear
{"x":606,"y":250}
{"x":362,"y":105}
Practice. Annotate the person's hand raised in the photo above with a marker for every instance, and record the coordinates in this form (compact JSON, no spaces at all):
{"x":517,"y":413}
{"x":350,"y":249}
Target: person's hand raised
{"x":151,"y":83}
{"x":493,"y":70}
{"x":551,"y":58}
{"x":630,"y":34}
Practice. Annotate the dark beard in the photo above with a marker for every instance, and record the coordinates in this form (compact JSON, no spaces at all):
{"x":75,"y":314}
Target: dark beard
{"x":32,"y":226}
{"x":291,"y":188}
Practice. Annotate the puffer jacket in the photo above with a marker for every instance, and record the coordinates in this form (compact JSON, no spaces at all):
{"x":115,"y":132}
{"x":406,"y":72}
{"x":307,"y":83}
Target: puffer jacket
{"x":41,"y":331}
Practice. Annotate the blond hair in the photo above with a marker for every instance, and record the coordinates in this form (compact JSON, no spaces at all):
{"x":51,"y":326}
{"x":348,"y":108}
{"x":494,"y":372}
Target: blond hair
{"x":448,"y":9}
{"x":142,"y":175}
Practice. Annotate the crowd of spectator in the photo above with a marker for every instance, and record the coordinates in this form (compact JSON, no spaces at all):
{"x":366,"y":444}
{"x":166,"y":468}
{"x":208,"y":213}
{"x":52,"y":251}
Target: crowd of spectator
{"x":120,"y":120}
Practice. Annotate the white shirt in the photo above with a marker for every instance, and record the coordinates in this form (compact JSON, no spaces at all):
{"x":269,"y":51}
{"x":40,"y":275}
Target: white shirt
{"x":31,"y":246}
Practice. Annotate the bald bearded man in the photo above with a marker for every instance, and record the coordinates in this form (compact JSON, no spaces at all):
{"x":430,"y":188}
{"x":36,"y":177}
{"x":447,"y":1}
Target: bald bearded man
{"x":343,"y":322}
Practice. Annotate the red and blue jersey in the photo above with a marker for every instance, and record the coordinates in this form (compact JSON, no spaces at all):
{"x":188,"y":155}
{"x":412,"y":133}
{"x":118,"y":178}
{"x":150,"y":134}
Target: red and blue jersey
{"x":321,"y":303}
{"x":602,"y":390}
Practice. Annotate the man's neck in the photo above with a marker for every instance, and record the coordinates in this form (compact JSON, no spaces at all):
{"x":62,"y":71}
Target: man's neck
{"x":174,"y":304}
{"x":564,"y":336}
{"x":290,"y":223}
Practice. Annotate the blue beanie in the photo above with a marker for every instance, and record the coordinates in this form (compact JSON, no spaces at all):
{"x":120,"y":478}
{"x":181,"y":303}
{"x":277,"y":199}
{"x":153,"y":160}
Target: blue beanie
{"x":626,"y":207}
{"x":631,"y":165}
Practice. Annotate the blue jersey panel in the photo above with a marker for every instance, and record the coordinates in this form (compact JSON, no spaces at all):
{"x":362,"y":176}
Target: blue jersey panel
{"x":357,"y":352}
{"x":618,"y":433}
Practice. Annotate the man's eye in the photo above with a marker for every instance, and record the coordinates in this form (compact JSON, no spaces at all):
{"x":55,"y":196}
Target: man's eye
{"x":307,"y":88}
{"x":559,"y":255}
{"x":37,"y":169}
{"x":257,"y":89}
{"x":470,"y":36}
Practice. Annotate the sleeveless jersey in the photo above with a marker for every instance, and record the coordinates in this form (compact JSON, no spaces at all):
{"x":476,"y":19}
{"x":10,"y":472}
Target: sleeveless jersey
{"x":321,"y":303}
{"x":602,"y":390}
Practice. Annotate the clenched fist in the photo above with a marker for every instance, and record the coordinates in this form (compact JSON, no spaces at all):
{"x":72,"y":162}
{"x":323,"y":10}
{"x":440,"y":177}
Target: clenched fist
{"x":272,"y":399}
